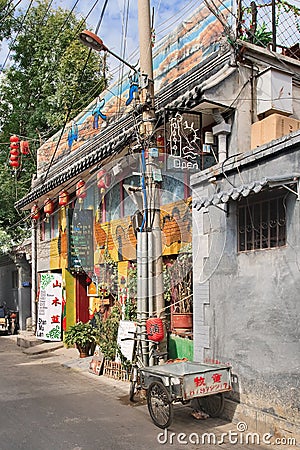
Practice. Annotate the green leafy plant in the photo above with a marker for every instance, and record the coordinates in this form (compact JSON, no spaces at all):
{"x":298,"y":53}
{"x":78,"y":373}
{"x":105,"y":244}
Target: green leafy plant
{"x":130,"y":303}
{"x":107,"y":332}
{"x":82,"y":335}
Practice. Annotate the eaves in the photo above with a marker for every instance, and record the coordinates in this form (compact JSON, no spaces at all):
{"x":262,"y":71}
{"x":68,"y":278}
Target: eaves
{"x":260,"y":155}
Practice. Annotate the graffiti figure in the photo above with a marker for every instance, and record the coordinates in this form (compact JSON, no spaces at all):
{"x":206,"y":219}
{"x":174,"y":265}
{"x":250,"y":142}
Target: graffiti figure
{"x":97,"y":112}
{"x":134,"y":86}
{"x":73,"y":134}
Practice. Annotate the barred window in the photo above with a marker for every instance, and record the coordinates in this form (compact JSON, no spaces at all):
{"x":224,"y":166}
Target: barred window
{"x":261,"y":223}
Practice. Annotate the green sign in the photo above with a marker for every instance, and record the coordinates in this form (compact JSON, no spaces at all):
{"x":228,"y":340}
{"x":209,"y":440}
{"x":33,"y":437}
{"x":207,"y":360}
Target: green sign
{"x":80,"y":240}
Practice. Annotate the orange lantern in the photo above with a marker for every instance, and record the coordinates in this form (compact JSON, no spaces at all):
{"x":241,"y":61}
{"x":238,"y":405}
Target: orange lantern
{"x":48,"y":207}
{"x":103,"y":179}
{"x":14,"y":162}
{"x":24,"y":147}
{"x":81,"y":191}
{"x":155,"y":329}
{"x":35,"y":212}
{"x":63,"y":198}
{"x":14,"y":140}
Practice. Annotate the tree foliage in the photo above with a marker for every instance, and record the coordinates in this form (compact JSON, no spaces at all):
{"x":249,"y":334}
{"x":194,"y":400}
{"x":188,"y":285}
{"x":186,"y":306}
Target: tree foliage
{"x":49,"y":77}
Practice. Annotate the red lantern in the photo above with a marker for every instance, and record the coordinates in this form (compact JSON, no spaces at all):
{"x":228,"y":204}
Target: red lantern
{"x":14,"y":160}
{"x":155,"y":329}
{"x":63,"y":198}
{"x":103,"y":179}
{"x":48,"y":207}
{"x":24,"y":147}
{"x":14,"y":163}
{"x":35,"y":212}
{"x":14,"y":139}
{"x":81,"y":190}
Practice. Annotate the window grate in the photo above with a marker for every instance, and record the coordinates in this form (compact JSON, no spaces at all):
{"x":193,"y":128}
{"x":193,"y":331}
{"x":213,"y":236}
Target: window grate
{"x":261,"y":224}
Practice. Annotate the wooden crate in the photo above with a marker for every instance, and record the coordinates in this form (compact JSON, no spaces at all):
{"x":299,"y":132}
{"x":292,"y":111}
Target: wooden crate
{"x":113,"y":369}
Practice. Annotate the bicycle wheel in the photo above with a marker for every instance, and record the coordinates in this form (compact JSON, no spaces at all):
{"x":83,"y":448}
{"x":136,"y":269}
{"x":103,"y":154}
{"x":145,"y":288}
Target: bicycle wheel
{"x":212,"y":404}
{"x":160,"y":405}
{"x":133,"y":383}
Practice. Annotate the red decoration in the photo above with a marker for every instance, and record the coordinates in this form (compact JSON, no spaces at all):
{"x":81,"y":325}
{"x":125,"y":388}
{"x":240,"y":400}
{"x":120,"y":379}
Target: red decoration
{"x":14,"y":163}
{"x":155,"y":329}
{"x":103,"y":179}
{"x":81,"y":190}
{"x":35,"y":212}
{"x":14,"y":160}
{"x":14,"y":139}
{"x":24,"y":147}
{"x":160,"y":142}
{"x":48,"y":207}
{"x":63,"y":198}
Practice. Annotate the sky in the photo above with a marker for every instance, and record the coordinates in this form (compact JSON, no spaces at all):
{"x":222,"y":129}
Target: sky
{"x":167,"y":14}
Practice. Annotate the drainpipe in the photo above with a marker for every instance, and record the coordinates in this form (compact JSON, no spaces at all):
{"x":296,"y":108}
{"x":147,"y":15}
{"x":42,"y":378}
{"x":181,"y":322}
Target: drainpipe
{"x":33,"y":276}
{"x":222,"y":129}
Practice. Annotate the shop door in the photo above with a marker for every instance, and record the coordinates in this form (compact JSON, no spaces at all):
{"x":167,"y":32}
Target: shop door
{"x":82,"y":300}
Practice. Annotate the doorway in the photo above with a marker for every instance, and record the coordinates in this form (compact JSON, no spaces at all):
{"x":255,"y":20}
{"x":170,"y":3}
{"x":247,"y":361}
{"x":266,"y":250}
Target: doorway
{"x":82,"y":300}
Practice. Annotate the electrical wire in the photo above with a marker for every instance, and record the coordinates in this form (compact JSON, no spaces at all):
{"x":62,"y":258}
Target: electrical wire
{"x":11,"y":46}
{"x":73,"y":99}
{"x":9,"y":12}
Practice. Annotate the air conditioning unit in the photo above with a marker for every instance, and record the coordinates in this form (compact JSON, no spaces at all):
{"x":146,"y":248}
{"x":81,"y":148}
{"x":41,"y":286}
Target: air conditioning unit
{"x":272,"y":127}
{"x":274,"y":92}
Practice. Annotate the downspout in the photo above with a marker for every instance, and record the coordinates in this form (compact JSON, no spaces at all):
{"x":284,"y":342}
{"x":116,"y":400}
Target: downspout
{"x":33,"y":276}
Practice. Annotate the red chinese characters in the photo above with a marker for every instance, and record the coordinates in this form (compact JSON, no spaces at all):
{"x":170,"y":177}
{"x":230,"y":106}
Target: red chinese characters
{"x":56,"y":302}
{"x":199,"y":381}
{"x":55,"y":319}
{"x":217,"y":377}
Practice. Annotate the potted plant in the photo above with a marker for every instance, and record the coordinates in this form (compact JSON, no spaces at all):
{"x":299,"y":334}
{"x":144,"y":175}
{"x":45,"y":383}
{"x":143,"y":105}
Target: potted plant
{"x":82,"y":335}
{"x":181,"y":286}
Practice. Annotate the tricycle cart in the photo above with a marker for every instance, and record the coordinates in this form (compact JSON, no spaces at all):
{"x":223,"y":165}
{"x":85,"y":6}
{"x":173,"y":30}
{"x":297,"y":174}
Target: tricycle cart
{"x":181,"y":382}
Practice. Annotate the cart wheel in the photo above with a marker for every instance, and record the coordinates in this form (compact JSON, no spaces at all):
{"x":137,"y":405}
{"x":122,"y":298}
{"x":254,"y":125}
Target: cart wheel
{"x":211,"y":404}
{"x":160,"y":405}
{"x":133,"y":383}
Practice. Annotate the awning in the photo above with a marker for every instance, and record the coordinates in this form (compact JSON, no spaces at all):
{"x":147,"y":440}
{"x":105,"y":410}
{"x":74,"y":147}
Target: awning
{"x":236,"y":193}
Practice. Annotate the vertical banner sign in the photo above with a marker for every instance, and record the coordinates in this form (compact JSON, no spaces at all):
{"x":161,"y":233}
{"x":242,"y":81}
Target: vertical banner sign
{"x":50,"y":307}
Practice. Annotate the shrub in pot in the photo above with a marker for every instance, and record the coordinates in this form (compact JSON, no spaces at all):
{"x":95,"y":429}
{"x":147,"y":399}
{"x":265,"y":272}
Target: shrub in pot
{"x":82,"y":335}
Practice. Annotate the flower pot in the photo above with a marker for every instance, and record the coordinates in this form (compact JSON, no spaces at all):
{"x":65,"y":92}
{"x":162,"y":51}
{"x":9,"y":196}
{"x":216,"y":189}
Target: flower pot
{"x":182,"y":321}
{"x":83,"y":351}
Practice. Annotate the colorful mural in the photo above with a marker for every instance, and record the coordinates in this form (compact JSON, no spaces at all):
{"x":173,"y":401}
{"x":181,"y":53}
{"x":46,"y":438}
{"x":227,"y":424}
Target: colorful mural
{"x":190,"y":43}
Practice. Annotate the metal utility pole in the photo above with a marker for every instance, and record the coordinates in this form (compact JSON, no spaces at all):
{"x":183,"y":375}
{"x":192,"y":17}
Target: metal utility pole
{"x":149,"y":245}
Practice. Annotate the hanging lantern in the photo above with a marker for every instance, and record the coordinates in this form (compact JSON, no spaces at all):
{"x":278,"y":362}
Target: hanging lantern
{"x":48,"y":207}
{"x":155,"y":329}
{"x":35,"y":212}
{"x":24,"y":148}
{"x":14,"y":152}
{"x":14,"y":139}
{"x":81,"y":191}
{"x":14,"y":163}
{"x":63,"y":198}
{"x":14,"y":160}
{"x":103,"y":179}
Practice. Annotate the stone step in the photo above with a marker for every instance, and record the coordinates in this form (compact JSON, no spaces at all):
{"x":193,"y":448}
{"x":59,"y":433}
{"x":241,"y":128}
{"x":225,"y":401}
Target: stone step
{"x":28,"y":340}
